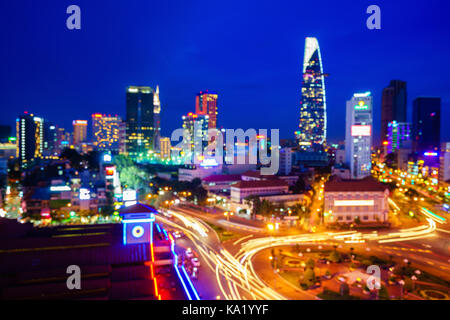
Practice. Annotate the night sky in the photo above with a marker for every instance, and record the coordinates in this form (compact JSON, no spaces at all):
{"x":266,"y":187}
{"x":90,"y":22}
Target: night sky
{"x":249,"y":52}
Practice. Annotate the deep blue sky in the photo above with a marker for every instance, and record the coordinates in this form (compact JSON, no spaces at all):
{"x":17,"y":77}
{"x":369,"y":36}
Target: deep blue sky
{"x":250,"y":52}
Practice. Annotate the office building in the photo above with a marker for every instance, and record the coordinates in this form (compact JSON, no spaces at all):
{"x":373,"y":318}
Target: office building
{"x":426,"y":124}
{"x":398,"y":136}
{"x":206,"y":104}
{"x":79,"y":132}
{"x":285,"y":164}
{"x":30,"y":138}
{"x":196,"y":134}
{"x":5,"y":133}
{"x":50,"y":139}
{"x":165,"y":148}
{"x":393,"y":105}
{"x":444,"y":161}
{"x":358,"y":136}
{"x":313,"y":111}
{"x":106,"y":132}
{"x":142,"y":124}
{"x":63,"y":139}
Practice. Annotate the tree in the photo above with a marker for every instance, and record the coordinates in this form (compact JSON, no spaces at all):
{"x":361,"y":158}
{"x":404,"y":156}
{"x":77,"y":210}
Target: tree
{"x":73,"y":156}
{"x":132,"y":177}
{"x":299,"y":186}
{"x":335,"y":256}
{"x":310,"y":263}
{"x":309,"y":277}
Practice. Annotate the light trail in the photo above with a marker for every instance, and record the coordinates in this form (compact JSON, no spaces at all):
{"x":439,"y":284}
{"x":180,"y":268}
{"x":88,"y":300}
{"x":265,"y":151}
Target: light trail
{"x":238,"y":273}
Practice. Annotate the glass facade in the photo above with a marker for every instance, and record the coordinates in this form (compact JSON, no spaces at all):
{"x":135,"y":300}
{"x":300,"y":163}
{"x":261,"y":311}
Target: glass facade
{"x":313,"y":111}
{"x":141,"y":128}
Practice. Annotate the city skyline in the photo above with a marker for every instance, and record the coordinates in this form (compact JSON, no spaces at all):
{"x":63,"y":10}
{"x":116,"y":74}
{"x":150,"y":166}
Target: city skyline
{"x":251,"y":87}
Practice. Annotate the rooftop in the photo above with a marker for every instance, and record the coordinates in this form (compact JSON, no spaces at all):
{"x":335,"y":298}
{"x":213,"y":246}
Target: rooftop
{"x":222,"y":178}
{"x":368,"y":184}
{"x":260,"y":184}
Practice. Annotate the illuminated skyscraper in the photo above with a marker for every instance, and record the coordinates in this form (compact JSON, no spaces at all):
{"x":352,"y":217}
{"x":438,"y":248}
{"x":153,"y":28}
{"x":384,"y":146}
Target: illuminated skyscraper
{"x":393,"y":105}
{"x":398,"y":136}
{"x":30,"y":138}
{"x":313,"y":108}
{"x":165,"y":147}
{"x":358,"y":136}
{"x":206,"y":104}
{"x":143,"y":127}
{"x":79,"y":131}
{"x":196,"y":131}
{"x":426,"y":124}
{"x":106,"y":132}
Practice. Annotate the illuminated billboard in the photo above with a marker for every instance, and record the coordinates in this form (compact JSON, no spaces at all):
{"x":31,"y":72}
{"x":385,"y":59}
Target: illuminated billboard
{"x":361,"y":130}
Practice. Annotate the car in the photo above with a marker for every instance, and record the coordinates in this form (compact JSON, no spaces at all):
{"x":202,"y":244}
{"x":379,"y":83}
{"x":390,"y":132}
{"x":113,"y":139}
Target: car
{"x":189,"y":254}
{"x":195,"y":262}
{"x":177,"y":234}
{"x":195,"y":273}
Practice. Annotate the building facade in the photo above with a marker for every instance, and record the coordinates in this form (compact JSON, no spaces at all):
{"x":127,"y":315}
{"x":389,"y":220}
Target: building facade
{"x":444,"y":161}
{"x":398,"y":136}
{"x":393,"y":106}
{"x":313,"y":109}
{"x":206,"y":104}
{"x":79,"y":132}
{"x":142,"y":124}
{"x":426,"y":124}
{"x":165,"y":148}
{"x":358,"y":136}
{"x":196,"y":135}
{"x":106,"y":132}
{"x":350,"y":201}
{"x":30,"y":138}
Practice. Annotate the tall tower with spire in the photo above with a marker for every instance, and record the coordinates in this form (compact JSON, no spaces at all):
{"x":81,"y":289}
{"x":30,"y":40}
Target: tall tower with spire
{"x":313,"y":108}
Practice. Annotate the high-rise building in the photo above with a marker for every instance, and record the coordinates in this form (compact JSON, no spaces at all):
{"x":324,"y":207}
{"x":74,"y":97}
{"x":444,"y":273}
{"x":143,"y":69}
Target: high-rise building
{"x":206,"y":104}
{"x":285,"y":161}
{"x":63,"y":139}
{"x":398,"y":136}
{"x":393,"y":105}
{"x":165,"y":147}
{"x":143,"y":127}
{"x":426,"y":124}
{"x":50,"y":139}
{"x":5,"y":133}
{"x":30,"y":138}
{"x":444,"y":162}
{"x":106,"y":132}
{"x":358,"y":137}
{"x":79,"y":131}
{"x":196,"y":132}
{"x":313,"y":108}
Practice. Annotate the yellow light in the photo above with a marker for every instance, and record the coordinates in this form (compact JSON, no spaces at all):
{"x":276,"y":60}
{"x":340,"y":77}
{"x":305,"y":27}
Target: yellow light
{"x":270,"y":226}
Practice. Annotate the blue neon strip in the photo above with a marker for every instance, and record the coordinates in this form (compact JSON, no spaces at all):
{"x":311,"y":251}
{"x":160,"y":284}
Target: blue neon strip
{"x":178,"y":272}
{"x":151,"y":233}
{"x":190,"y":283}
{"x":157,"y":227}
{"x":165,"y":234}
{"x":138,"y":220}
{"x":124,"y":231}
